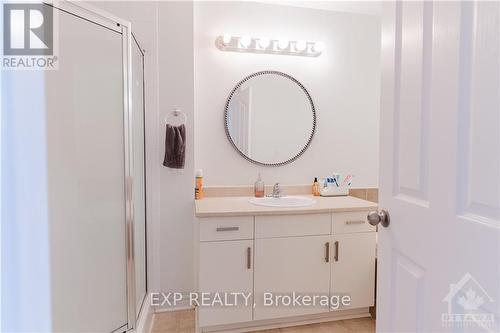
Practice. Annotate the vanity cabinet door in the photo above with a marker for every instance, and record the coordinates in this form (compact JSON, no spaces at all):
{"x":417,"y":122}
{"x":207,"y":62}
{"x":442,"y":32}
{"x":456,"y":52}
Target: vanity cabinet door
{"x":226,"y":267}
{"x":287,"y":265}
{"x":353,"y":268}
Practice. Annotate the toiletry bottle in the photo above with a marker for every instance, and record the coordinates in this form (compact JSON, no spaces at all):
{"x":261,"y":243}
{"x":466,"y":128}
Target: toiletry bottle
{"x":259,"y":188}
{"x":198,"y":190}
{"x":315,"y":187}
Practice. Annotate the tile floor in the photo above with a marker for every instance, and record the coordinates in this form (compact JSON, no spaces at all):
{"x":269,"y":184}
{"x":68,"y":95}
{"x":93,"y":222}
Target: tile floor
{"x":183,"y":322}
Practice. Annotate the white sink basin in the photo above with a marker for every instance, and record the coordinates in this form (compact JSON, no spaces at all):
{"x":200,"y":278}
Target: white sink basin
{"x":287,"y":201}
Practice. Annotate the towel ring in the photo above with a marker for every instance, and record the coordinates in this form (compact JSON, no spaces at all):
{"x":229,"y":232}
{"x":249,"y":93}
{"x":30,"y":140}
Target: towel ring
{"x":175,"y":118}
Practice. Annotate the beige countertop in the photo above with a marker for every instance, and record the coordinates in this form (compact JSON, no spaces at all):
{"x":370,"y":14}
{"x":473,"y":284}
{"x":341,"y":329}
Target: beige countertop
{"x":240,"y":206}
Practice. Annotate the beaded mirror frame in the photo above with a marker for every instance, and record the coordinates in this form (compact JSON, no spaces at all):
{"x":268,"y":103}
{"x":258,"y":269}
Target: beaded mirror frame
{"x":226,"y":110}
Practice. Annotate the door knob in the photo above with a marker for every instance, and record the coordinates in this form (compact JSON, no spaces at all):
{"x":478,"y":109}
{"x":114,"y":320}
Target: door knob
{"x":375,"y":218}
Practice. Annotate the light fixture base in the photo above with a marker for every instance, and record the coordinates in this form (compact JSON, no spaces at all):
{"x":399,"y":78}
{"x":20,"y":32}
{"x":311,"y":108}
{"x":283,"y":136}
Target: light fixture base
{"x":235,"y":45}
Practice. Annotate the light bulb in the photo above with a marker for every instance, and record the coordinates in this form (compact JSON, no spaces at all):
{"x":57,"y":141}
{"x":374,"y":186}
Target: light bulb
{"x":226,"y":39}
{"x":264,"y":42}
{"x":245,"y":41}
{"x":283,"y":44}
{"x":300,"y":45}
{"x":318,"y":47}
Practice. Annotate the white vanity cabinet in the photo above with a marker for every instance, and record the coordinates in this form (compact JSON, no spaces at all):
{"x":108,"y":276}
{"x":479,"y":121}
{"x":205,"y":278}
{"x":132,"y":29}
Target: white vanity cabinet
{"x":353,"y":259}
{"x":353,"y":268}
{"x":226,"y":266}
{"x":290,"y":255}
{"x":315,"y":254}
{"x":290,"y":264}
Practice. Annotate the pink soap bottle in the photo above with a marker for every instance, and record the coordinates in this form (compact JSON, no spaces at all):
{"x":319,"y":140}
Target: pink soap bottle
{"x":259,"y":188}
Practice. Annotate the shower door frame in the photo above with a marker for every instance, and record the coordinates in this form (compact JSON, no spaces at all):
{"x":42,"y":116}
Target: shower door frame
{"x":135,"y":41}
{"x":97,"y":16}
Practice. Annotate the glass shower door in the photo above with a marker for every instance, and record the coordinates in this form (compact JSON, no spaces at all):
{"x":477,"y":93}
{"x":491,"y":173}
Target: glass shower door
{"x":85,"y":126}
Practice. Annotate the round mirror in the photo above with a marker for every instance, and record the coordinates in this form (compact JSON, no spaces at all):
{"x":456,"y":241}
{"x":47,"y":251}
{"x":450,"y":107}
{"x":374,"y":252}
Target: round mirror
{"x":270,"y":118}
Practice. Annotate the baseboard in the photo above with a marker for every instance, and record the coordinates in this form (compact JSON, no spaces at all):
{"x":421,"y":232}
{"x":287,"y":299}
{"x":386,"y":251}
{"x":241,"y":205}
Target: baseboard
{"x":175,"y":308}
{"x":287,"y":322}
{"x":145,"y":320}
{"x":183,"y":304}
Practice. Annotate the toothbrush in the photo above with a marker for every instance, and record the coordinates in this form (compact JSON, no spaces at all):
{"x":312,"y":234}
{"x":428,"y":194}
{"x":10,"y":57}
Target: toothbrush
{"x":347,"y":180}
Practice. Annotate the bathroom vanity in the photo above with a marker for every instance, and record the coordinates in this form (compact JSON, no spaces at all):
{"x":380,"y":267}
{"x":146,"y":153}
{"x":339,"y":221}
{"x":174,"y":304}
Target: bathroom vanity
{"x":326,"y":248}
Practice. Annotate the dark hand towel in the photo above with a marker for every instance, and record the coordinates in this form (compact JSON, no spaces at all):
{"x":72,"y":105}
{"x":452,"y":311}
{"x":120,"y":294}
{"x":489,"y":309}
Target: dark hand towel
{"x":175,"y":146}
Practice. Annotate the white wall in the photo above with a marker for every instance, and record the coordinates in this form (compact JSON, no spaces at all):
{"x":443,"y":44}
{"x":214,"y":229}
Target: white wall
{"x":176,"y":88}
{"x":25,"y":227}
{"x":343,"y":82}
{"x":371,"y":7}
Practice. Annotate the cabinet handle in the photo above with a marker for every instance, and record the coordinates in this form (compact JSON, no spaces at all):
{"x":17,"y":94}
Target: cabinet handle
{"x":227,"y":229}
{"x":249,"y":257}
{"x":355,"y":222}
{"x":336,"y":251}
{"x":327,"y":252}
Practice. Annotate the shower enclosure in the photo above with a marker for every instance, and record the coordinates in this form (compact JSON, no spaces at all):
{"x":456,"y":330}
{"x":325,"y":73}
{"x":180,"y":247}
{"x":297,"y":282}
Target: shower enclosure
{"x":96,"y":172}
{"x":139,"y":158}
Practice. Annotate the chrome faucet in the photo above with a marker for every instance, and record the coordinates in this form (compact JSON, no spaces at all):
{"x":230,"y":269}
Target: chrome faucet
{"x":276,"y":191}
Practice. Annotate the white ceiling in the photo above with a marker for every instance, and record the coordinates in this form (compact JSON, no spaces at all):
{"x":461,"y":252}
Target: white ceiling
{"x":359,"y":7}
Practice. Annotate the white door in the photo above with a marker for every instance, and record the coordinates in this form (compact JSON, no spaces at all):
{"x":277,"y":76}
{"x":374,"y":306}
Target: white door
{"x":226,"y":267}
{"x":440,"y":167}
{"x":286,"y":265}
{"x":240,"y":121}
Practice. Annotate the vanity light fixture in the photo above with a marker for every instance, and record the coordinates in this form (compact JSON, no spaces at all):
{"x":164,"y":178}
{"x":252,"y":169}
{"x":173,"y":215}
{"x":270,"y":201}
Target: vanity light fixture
{"x":226,"y":39}
{"x":283,"y":44}
{"x":267,"y":45}
{"x":300,"y":46}
{"x":245,"y":41}
{"x":264,"y":42}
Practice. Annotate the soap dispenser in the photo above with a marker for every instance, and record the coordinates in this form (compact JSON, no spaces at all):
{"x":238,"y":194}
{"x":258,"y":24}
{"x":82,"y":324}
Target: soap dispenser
{"x":315,"y":187}
{"x":259,"y":188}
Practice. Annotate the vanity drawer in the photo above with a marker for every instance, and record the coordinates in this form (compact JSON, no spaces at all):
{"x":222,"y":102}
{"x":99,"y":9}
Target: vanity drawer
{"x":345,"y":223}
{"x":225,"y":228}
{"x":292,"y":225}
